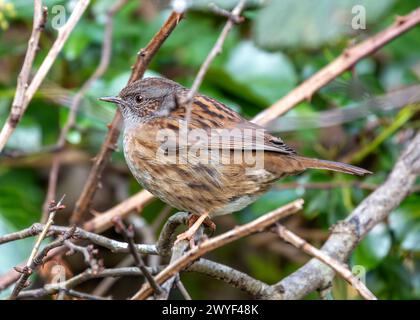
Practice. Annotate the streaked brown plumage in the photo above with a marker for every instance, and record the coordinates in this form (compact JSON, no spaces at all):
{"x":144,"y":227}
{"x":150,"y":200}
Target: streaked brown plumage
{"x":207,"y":189}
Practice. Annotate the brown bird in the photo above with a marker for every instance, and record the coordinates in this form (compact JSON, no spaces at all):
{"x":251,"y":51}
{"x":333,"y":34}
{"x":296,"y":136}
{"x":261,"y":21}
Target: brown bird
{"x":218,"y":164}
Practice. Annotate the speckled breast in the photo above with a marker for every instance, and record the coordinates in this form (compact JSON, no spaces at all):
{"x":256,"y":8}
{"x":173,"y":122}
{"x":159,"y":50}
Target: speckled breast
{"x":193,"y":187}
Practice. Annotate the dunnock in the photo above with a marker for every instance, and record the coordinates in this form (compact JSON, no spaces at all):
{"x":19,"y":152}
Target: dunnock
{"x":217,"y":164}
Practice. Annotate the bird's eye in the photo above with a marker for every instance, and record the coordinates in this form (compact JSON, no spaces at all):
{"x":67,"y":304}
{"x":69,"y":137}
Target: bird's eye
{"x":138,"y":98}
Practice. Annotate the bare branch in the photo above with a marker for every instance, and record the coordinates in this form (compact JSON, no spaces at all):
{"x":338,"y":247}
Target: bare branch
{"x":87,"y":275}
{"x":225,"y":13}
{"x":40,"y":19}
{"x":107,"y":283}
{"x":167,"y":235}
{"x":165,"y":246}
{"x":36,"y":262}
{"x":338,"y":266}
{"x":53,"y":208}
{"x":182,"y":288}
{"x":147,"y":236}
{"x":178,"y":251}
{"x":128,"y":235}
{"x":393,"y":100}
{"x":113,"y":245}
{"x":89,"y":254}
{"x":103,"y":221}
{"x":235,"y":278}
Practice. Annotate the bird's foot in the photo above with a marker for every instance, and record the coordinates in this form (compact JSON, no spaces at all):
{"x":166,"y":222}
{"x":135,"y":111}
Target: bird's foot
{"x":194,"y":222}
{"x":207,"y":222}
{"x":187,"y":235}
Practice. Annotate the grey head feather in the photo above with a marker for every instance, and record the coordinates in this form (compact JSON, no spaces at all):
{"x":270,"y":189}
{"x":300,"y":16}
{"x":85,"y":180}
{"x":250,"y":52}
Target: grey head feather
{"x":149,"y":98}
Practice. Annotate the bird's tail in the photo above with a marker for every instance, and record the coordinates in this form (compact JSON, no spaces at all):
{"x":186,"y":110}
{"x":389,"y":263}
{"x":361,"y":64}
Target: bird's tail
{"x":311,"y":163}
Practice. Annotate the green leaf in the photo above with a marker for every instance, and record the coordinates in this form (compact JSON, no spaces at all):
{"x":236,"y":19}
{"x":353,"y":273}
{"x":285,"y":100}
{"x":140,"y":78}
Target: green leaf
{"x":317,"y":204}
{"x":272,"y":200}
{"x":26,"y":138}
{"x":23,"y":10}
{"x":412,"y":239}
{"x":374,"y":248}
{"x":83,"y":35}
{"x":12,"y":253}
{"x":269,"y":75}
{"x":20,"y":198}
{"x":262,"y":269}
{"x":20,"y":206}
{"x":405,"y":224}
{"x":308,"y":23}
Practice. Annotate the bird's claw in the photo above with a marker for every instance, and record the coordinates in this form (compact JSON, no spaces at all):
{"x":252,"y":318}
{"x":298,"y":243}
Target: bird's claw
{"x":187,"y":235}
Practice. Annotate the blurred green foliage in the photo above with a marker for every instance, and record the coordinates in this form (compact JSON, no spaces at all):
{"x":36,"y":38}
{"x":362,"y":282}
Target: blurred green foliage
{"x":302,"y":37}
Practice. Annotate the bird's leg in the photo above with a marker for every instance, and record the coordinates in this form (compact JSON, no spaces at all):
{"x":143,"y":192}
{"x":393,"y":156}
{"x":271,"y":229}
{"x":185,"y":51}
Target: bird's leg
{"x":193,"y":227}
{"x":207,"y":222}
{"x":211,"y":225}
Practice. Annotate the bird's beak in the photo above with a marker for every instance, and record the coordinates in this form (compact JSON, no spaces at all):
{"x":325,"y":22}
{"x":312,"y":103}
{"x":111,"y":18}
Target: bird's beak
{"x":116,"y":100}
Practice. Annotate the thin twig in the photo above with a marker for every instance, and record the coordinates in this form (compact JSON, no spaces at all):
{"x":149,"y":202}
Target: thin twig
{"x":103,"y":221}
{"x":147,"y":236}
{"x":40,"y":19}
{"x":143,"y":59}
{"x":178,"y":251}
{"x":42,"y":230}
{"x":106,"y":284}
{"x":63,"y":33}
{"x":182,"y":288}
{"x":36,"y":262}
{"x":390,"y":101}
{"x":338,"y":266}
{"x":87,"y":275}
{"x":53,"y":208}
{"x":89,"y":254}
{"x":233,"y":17}
{"x":128,"y":235}
{"x":113,"y":245}
{"x":342,"y":63}
{"x":225,"y":13}
{"x":241,"y":231}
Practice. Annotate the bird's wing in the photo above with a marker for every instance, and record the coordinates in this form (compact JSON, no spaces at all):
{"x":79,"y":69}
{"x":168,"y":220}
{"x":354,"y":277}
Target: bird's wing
{"x":229,"y":130}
